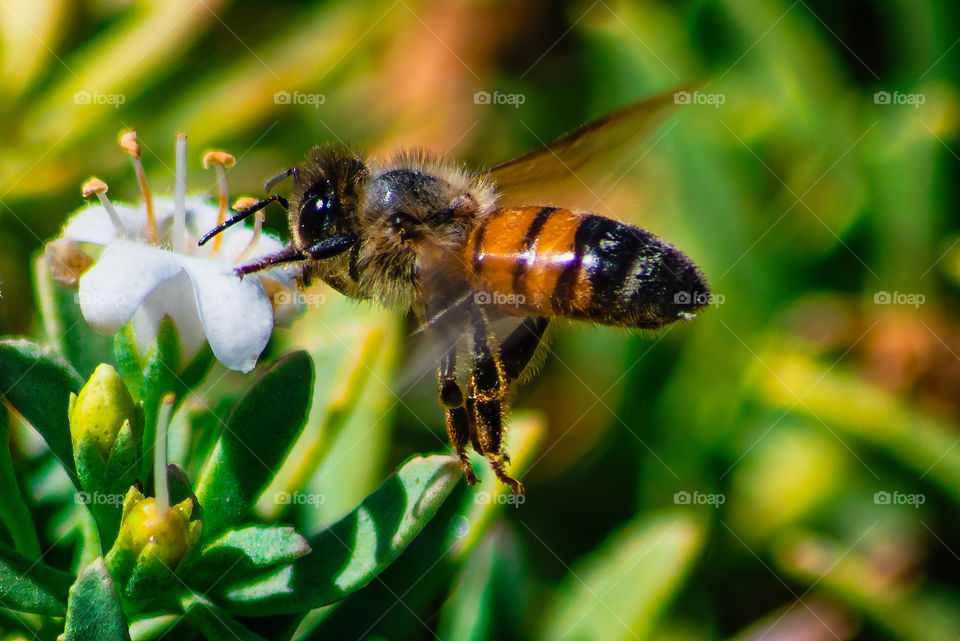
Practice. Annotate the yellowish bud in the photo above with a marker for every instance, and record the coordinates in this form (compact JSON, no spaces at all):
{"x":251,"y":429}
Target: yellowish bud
{"x":100,"y":410}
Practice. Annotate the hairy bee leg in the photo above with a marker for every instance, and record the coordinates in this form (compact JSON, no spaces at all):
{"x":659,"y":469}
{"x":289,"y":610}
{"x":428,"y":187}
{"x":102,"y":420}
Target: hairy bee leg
{"x":489,"y":386}
{"x":457,"y":419}
{"x":520,"y":346}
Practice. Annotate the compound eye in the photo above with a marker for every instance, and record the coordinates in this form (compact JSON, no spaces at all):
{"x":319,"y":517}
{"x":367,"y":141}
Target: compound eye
{"x":318,"y":203}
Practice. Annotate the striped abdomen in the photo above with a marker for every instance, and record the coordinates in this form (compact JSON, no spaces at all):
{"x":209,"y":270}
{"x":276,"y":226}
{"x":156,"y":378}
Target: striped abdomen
{"x":555,"y":262}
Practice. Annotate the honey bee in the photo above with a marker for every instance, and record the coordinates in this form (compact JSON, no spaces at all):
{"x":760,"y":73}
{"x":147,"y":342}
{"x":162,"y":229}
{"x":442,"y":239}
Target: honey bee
{"x":462,"y":250}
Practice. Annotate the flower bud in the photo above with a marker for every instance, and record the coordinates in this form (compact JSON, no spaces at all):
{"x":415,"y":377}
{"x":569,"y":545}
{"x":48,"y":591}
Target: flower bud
{"x":101,"y":410}
{"x":151,"y":545}
{"x":105,"y":427}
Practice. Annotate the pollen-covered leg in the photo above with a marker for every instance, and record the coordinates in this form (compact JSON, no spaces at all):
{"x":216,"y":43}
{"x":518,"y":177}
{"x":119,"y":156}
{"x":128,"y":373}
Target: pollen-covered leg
{"x":458,"y":420}
{"x":489,"y":387}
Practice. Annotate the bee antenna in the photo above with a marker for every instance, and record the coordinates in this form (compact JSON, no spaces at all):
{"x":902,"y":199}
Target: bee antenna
{"x":243,"y":213}
{"x":279,"y":178}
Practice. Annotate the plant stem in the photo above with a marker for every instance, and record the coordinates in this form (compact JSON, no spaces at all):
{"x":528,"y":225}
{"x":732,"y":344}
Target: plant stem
{"x":160,"y":486}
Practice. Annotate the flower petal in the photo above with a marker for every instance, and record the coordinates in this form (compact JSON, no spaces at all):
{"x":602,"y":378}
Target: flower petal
{"x":174,"y":298}
{"x":126,"y":273}
{"x":92,"y":224}
{"x":236,"y":314}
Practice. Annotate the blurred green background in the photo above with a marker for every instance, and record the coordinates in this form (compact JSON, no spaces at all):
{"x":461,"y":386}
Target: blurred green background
{"x":785,"y":467}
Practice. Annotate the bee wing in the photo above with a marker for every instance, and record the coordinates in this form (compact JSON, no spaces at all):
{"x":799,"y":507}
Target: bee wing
{"x":579,"y":169}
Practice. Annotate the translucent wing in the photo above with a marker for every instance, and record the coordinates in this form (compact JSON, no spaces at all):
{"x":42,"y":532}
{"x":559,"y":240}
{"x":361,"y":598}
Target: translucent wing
{"x":579,"y":170}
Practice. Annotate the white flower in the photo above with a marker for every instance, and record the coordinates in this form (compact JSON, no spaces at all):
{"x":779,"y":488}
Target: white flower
{"x":151,"y":267}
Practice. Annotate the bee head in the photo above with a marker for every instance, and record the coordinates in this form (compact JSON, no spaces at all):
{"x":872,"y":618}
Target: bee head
{"x":325,"y":198}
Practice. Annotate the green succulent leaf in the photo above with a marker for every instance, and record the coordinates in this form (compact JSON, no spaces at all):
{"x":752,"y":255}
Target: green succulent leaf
{"x":38,"y":384}
{"x":14,"y":513}
{"x":350,"y":553}
{"x":241,"y":552}
{"x":610,"y":595}
{"x":129,"y":362}
{"x":258,"y":434}
{"x":94,"y":610}
{"x":213,"y":622}
{"x":30,"y":586}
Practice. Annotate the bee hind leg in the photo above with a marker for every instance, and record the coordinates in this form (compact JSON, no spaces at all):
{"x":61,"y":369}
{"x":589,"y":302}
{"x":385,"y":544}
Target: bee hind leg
{"x":458,"y":418}
{"x":489,"y":387}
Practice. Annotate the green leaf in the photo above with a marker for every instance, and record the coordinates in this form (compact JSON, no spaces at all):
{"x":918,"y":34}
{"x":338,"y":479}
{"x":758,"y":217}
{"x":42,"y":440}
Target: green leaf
{"x":213,"y":622}
{"x":255,"y":440}
{"x":620,"y":589}
{"x":31,"y":586}
{"x":242,"y":551}
{"x":487,"y":597}
{"x":14,"y":513}
{"x":128,"y":361}
{"x":38,"y":384}
{"x":94,"y":610}
{"x":350,"y":553}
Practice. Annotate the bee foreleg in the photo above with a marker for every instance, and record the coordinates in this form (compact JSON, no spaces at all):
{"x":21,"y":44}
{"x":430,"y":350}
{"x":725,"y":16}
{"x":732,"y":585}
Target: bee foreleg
{"x":458,"y":420}
{"x":489,"y":387}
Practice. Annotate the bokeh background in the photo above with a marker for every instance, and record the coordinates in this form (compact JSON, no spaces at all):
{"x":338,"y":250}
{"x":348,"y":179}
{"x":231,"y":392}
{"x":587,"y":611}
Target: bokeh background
{"x":786,"y":467}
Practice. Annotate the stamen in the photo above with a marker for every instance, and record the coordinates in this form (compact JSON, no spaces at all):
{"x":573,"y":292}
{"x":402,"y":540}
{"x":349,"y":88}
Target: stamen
{"x":161,"y":489}
{"x":180,"y":197}
{"x":221,"y":160}
{"x":240,"y":205}
{"x":98,"y":187}
{"x":129,"y":142}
